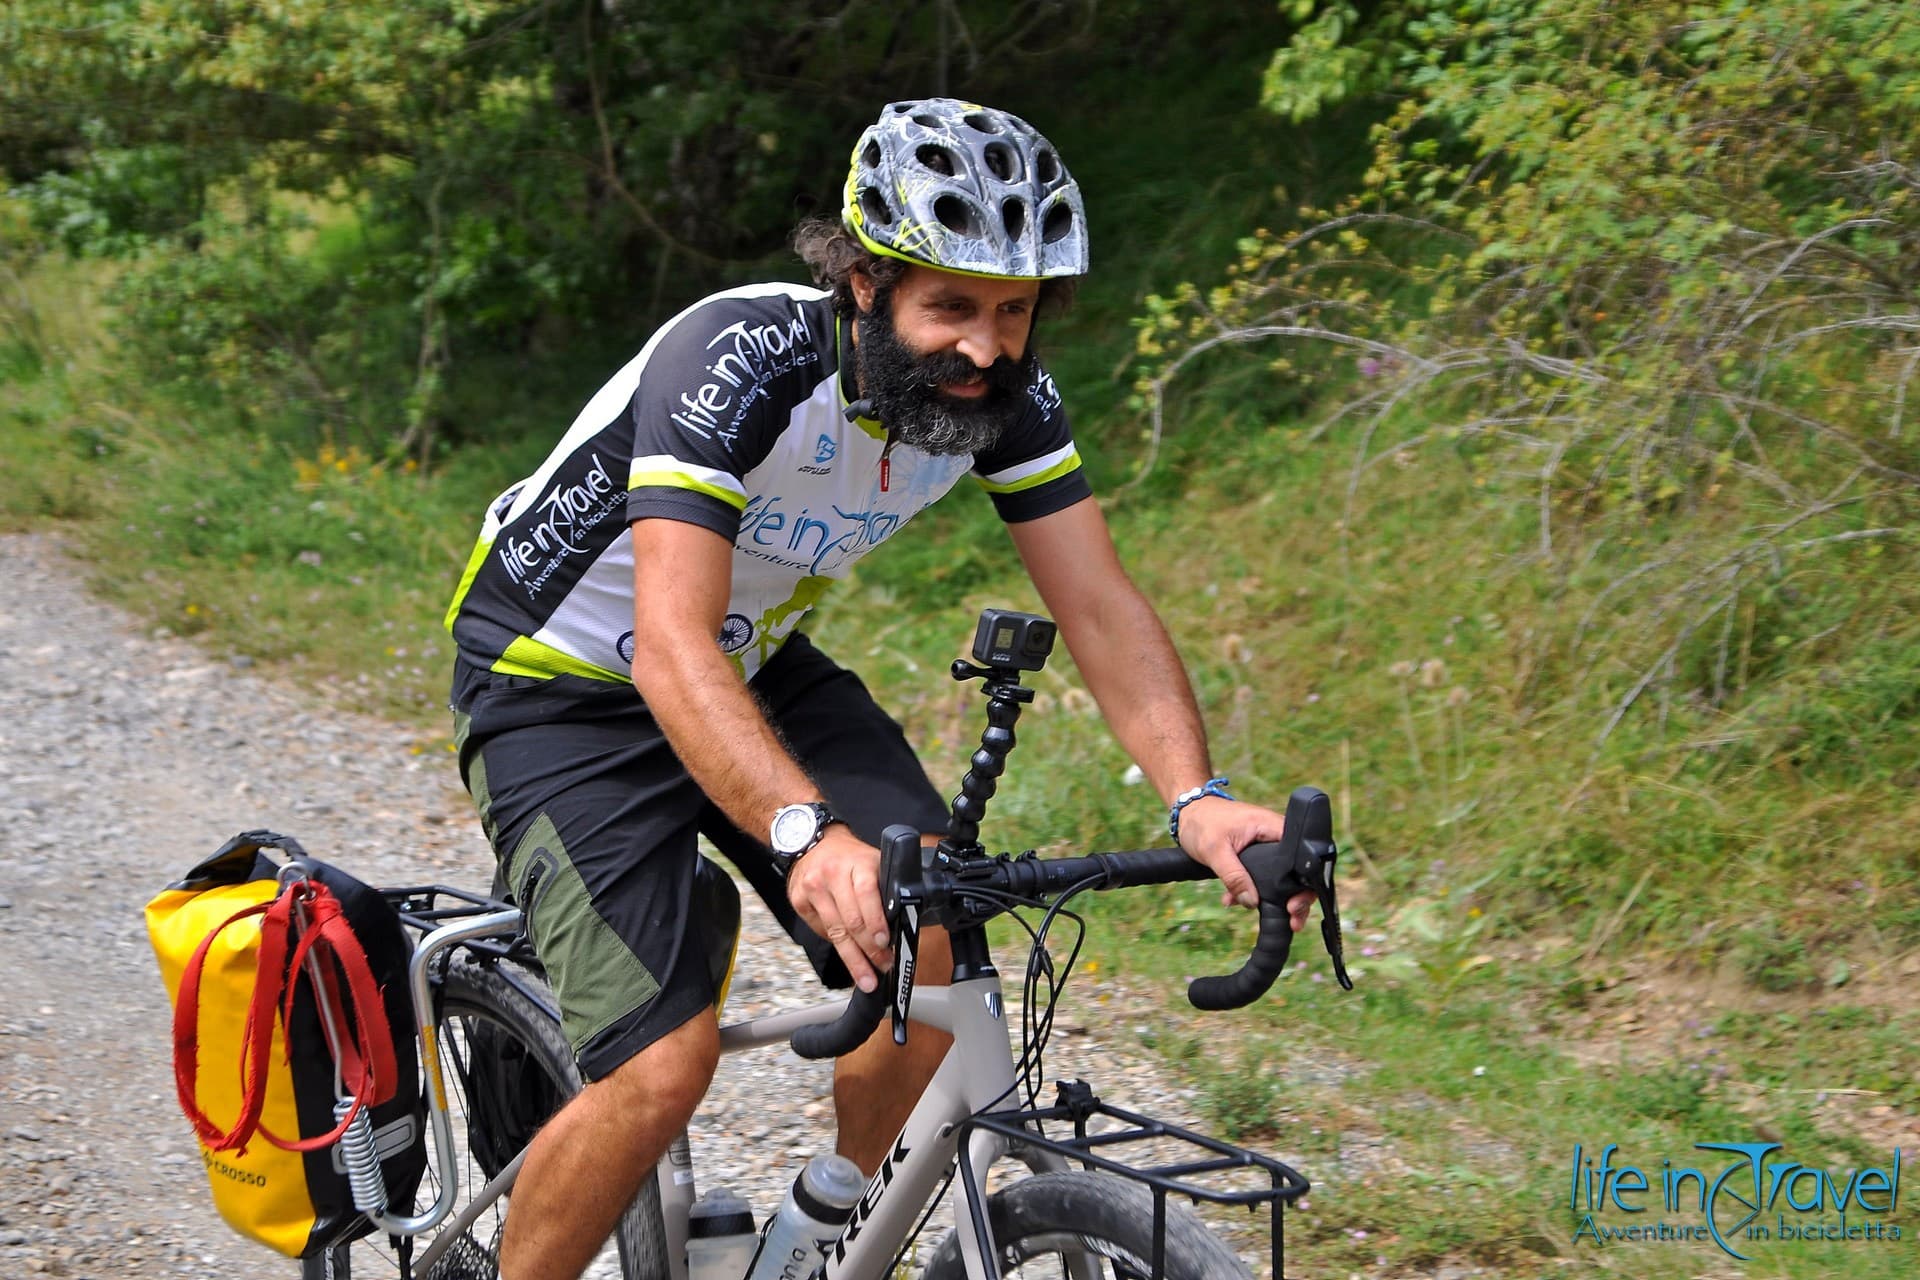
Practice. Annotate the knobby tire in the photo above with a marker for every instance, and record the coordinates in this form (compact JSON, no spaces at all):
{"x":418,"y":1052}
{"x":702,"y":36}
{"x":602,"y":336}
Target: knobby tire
{"x":1040,"y":1220}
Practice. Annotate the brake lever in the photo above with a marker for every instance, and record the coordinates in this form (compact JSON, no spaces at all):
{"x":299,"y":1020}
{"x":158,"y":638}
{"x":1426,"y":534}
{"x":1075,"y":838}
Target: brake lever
{"x":1314,"y":864}
{"x":1310,"y":815}
{"x":900,"y":893}
{"x":1330,"y":931}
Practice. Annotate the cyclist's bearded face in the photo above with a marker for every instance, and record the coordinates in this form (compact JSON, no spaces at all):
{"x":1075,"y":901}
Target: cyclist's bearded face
{"x":905,"y":387}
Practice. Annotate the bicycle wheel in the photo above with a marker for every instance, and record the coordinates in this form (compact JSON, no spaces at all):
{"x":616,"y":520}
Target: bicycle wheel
{"x":334,"y":1264}
{"x":508,"y":1069}
{"x":1040,"y":1222}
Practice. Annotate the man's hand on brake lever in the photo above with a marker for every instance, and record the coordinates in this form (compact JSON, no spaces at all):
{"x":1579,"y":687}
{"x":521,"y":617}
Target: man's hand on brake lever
{"x":835,"y":886}
{"x":1213,"y":831}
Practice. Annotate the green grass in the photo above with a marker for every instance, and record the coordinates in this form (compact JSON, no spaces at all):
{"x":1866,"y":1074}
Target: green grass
{"x":57,"y":447}
{"x":1440,"y":1125}
{"x":329,"y":564}
{"x":1397,"y":672}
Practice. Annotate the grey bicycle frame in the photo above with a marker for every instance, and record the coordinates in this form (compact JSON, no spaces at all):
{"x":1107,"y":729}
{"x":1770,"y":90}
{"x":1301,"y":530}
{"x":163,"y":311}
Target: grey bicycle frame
{"x":977,"y":1075}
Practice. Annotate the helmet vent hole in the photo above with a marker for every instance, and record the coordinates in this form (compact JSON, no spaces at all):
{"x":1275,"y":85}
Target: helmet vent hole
{"x":1001,"y":162}
{"x":983,"y":122}
{"x":870,"y":154}
{"x":938,"y":159}
{"x":956,"y":215}
{"x":1058,"y":224}
{"x":1014,"y":213}
{"x":927,"y":120}
{"x":873,"y":207}
{"x":1047,"y":166}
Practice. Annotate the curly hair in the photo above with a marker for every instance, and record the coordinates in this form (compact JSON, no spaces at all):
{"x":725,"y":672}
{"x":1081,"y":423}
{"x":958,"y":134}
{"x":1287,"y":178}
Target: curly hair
{"x":833,"y":254}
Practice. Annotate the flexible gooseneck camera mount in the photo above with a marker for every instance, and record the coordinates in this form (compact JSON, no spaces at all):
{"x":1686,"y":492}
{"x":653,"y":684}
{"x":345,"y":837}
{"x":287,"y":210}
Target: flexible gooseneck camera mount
{"x":1005,"y":696}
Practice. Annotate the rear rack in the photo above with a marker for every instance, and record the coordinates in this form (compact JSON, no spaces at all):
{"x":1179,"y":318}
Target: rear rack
{"x":1095,"y":1151}
{"x":425,"y":907}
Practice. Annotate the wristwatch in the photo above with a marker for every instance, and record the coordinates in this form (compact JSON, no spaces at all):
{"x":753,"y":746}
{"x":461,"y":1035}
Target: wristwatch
{"x":796,"y":829}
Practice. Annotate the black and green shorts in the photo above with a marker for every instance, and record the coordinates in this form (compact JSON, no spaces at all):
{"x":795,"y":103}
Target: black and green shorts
{"x":595,"y":822}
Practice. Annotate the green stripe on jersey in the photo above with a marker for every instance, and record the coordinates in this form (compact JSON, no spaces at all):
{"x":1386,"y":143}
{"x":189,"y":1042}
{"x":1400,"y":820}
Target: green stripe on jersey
{"x":481,"y":550}
{"x":528,"y":657}
{"x":1063,"y":467}
{"x":678,"y":480}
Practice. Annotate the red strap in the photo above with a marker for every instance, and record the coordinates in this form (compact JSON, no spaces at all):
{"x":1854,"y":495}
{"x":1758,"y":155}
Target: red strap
{"x":256,"y":1037}
{"x":368,"y":1066}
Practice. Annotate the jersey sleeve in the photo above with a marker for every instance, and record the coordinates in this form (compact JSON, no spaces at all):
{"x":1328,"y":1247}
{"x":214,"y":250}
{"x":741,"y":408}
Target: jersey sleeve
{"x":707,"y":405}
{"x":1035,"y":469}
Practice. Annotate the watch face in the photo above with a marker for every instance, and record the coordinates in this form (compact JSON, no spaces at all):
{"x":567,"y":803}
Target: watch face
{"x":794,"y":828}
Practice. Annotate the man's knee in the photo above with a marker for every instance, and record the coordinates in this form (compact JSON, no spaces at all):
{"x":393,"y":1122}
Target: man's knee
{"x":664,"y":1082}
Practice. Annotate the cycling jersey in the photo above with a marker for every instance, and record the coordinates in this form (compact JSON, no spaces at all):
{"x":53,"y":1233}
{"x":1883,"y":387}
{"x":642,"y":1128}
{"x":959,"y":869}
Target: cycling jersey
{"x":732,"y":417}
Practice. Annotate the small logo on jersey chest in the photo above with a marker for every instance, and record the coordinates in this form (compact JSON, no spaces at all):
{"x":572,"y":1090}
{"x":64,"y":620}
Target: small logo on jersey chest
{"x":823,"y":453}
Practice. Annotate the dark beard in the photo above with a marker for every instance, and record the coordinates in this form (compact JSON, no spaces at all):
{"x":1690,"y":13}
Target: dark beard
{"x":904,"y":389}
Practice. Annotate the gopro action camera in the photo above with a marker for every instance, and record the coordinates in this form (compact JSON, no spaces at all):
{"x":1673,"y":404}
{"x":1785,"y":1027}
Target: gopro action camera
{"x":1006,"y":638}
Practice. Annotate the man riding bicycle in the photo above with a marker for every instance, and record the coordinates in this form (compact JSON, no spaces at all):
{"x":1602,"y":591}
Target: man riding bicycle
{"x":760,"y":443}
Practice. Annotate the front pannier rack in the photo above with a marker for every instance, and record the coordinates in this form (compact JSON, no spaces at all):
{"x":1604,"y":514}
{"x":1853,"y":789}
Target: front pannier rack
{"x":1075,"y":1101}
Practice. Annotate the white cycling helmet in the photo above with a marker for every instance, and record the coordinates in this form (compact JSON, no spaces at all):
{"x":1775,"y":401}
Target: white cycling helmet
{"x":965,"y":188}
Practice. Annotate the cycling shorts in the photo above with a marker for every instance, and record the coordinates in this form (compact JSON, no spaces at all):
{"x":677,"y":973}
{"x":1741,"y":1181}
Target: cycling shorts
{"x":595,"y":822}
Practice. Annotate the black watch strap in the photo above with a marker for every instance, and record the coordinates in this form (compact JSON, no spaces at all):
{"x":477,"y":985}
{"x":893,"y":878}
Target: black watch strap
{"x":788,"y":851}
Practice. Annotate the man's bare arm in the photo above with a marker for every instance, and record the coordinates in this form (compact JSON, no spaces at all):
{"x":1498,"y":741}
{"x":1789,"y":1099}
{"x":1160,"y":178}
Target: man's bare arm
{"x":1119,"y":644}
{"x":682,"y":579}
{"x":1135,"y":675}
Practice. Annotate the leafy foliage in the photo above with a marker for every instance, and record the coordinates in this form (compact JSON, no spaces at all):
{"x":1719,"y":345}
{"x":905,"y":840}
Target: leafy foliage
{"x":1622,"y":263}
{"x":485,"y":177}
{"x":1504,"y":426}
{"x":1342,"y":52}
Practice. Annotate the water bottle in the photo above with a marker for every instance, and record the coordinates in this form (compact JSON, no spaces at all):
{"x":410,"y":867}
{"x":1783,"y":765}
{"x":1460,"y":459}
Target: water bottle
{"x":817,"y":1206}
{"x":720,"y":1237}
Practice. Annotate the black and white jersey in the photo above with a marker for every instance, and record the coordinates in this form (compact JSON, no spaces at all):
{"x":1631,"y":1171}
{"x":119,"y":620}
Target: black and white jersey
{"x":732,"y":417}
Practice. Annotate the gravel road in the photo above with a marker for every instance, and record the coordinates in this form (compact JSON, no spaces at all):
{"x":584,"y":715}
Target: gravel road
{"x":125,"y":756}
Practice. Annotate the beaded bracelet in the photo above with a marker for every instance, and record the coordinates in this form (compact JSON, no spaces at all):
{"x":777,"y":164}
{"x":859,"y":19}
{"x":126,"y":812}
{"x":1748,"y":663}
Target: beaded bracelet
{"x":1212,"y":787}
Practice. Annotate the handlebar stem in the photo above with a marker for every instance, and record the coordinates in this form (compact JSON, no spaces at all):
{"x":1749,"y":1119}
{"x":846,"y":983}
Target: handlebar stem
{"x":971,"y":958}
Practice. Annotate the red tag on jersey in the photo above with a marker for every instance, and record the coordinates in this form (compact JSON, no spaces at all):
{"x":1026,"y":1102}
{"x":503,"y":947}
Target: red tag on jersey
{"x":886,"y":471}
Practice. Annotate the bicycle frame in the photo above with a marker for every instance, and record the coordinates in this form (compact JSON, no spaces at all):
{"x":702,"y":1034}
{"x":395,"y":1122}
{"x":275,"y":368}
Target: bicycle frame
{"x":973,"y":1098}
{"x":977,"y":1075}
